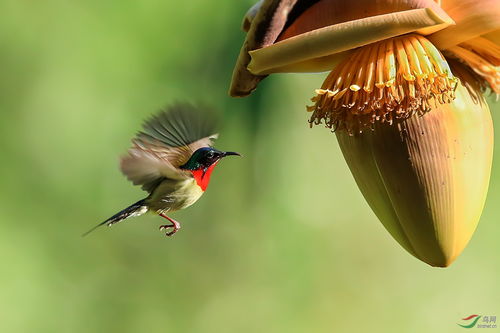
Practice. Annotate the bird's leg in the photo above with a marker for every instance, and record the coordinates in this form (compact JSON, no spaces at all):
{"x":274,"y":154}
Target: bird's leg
{"x":175,"y":225}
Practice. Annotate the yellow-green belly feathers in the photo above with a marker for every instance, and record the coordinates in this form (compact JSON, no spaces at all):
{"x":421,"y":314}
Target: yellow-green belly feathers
{"x":172,"y":195}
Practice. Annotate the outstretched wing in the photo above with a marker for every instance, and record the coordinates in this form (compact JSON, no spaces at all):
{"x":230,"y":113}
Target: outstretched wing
{"x":167,"y":141}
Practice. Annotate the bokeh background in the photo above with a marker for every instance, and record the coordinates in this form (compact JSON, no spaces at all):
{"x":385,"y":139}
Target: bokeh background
{"x":282,"y":241}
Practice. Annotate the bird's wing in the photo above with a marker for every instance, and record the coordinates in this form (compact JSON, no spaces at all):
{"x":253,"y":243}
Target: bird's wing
{"x":166,"y":142}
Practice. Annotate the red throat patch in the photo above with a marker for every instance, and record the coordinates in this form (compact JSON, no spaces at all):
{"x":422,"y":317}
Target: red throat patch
{"x":203,"y":177}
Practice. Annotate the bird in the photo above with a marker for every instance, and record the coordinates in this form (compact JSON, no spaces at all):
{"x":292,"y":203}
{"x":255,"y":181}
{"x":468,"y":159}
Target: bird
{"x":172,"y":159}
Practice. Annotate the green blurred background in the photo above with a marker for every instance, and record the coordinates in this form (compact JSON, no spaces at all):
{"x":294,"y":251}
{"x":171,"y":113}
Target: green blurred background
{"x":278,"y":244}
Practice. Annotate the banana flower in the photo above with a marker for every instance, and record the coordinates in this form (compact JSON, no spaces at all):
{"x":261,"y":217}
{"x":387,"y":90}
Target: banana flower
{"x":404,"y":97}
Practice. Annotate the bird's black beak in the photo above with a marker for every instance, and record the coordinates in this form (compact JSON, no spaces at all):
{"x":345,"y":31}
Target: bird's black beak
{"x":228,"y":153}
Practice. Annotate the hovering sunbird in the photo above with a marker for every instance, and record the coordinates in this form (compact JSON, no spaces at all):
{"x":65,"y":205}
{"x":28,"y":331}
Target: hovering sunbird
{"x":172,"y":158}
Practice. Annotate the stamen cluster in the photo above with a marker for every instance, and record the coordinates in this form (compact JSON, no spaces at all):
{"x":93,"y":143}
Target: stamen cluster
{"x":385,"y":81}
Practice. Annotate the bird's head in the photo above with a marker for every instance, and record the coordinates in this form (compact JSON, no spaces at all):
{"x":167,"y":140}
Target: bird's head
{"x":202,"y":162}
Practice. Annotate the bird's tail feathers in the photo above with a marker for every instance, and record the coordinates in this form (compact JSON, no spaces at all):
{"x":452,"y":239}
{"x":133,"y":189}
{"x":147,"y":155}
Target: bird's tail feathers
{"x":135,"y":209}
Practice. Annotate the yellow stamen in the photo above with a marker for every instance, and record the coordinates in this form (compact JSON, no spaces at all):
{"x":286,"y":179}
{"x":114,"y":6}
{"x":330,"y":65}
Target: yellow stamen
{"x":390,"y":66}
{"x":385,"y":81}
{"x":413,"y":58}
{"x":423,"y":57}
{"x":404,"y":65}
{"x":370,"y":73}
{"x":380,"y":66}
{"x":358,"y":82}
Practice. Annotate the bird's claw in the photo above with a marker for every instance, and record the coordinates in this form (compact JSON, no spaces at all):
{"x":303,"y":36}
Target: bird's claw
{"x":175,"y":226}
{"x":167,"y":226}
